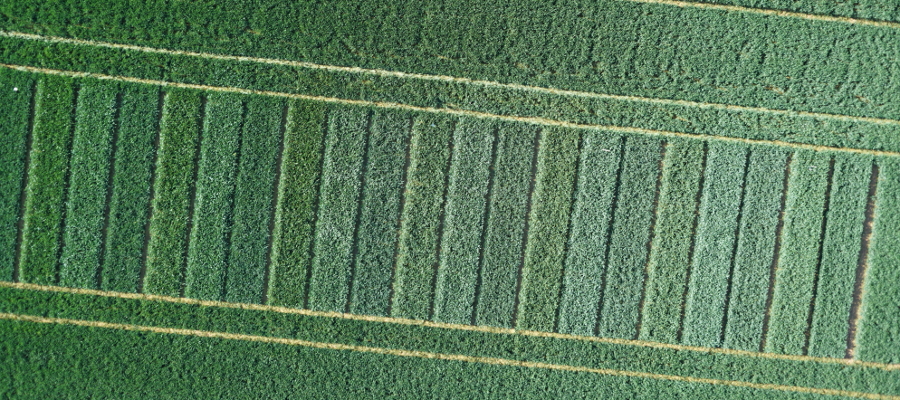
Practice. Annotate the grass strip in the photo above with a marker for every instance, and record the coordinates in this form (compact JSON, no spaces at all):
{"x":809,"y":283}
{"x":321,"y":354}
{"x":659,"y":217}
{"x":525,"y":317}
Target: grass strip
{"x":629,"y":236}
{"x":419,"y":338}
{"x":420,"y":223}
{"x":182,"y":364}
{"x":583,"y":107}
{"x":92,"y":144}
{"x":138,"y":128}
{"x":505,"y":230}
{"x":548,"y":229}
{"x":877,"y":10}
{"x":379,"y":220}
{"x":342,"y":173}
{"x":878,"y":338}
{"x":298,"y":196}
{"x":592,"y":210}
{"x":800,"y":252}
{"x":714,"y":246}
{"x":209,"y":244}
{"x":840,"y":253}
{"x":464,"y":216}
{"x":670,"y":252}
{"x":45,"y":194}
{"x":254,"y":189}
{"x":17,"y":95}
{"x":763,"y":189}
{"x":773,"y":62}
{"x":177,"y":154}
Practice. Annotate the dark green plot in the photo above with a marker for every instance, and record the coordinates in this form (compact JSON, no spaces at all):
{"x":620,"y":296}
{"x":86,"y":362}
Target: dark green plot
{"x":253,"y":192}
{"x":426,"y":179}
{"x":630,"y":234}
{"x":670,"y":252}
{"x":380,"y":212}
{"x":342,"y":172}
{"x":598,"y":172}
{"x":92,"y":144}
{"x":45,"y":195}
{"x":17,"y":95}
{"x":138,"y":130}
{"x":714,"y":244}
{"x":298,"y":196}
{"x":208,"y":248}
{"x":173,"y":187}
{"x":548,"y":229}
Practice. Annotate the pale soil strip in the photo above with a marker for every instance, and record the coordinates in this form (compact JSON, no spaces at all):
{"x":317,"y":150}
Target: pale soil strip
{"x":441,"y":325}
{"x":777,"y":13}
{"x":450,"y":111}
{"x":467,"y":81}
{"x":441,"y":356}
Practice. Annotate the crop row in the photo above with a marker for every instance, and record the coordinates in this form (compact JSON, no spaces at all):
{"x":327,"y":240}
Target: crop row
{"x":463,"y":220}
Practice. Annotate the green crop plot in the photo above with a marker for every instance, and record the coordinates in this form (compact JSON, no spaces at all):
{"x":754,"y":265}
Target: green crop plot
{"x":450,"y":199}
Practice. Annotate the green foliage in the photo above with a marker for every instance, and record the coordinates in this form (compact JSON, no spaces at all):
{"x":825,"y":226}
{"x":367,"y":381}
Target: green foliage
{"x":208,"y":245}
{"x":840,"y":253}
{"x":45,"y":195}
{"x":800,"y":255}
{"x":17,"y":95}
{"x":595,"y":194}
{"x":376,"y":239}
{"x":548,"y":229}
{"x":170,"y":213}
{"x":92,"y":143}
{"x":763,"y":188}
{"x":429,"y":157}
{"x":627,"y":258}
{"x":138,"y":129}
{"x":173,"y":365}
{"x":714,"y":244}
{"x":298,"y":195}
{"x":342,"y":172}
{"x":467,"y":192}
{"x":623,"y":230}
{"x":878,"y":337}
{"x":254,"y":188}
{"x":673,"y":235}
{"x":505,"y":229}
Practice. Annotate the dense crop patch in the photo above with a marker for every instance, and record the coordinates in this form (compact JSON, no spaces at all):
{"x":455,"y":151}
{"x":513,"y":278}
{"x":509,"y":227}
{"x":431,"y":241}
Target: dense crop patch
{"x":561,"y":199}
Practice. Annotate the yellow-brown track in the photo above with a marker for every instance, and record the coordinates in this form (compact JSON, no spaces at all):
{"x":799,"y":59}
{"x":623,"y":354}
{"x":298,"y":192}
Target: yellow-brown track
{"x":468,"y":81}
{"x":451,"y":111}
{"x":442,"y":325}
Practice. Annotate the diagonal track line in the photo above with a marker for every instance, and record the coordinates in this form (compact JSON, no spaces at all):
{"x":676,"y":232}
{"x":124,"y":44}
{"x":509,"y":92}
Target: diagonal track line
{"x":475,"y":82}
{"x":773,"y":12}
{"x":442,"y":325}
{"x":442,"y":356}
{"x":449,"y":111}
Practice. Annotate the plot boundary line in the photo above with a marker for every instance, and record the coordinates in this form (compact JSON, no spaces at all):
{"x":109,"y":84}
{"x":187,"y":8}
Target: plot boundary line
{"x":443,"y":325}
{"x":773,"y":12}
{"x":463,"y":80}
{"x":441,"y":356}
{"x":451,"y":111}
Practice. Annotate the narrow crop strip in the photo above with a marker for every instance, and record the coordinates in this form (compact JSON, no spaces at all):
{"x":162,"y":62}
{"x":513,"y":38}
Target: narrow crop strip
{"x":456,"y":112}
{"x":771,"y":12}
{"x":492,"y":84}
{"x":441,"y":356}
{"x":442,"y":325}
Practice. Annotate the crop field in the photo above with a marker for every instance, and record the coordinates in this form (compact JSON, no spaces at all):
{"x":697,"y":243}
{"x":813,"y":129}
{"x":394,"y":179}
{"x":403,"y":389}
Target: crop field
{"x":627,"y":199}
